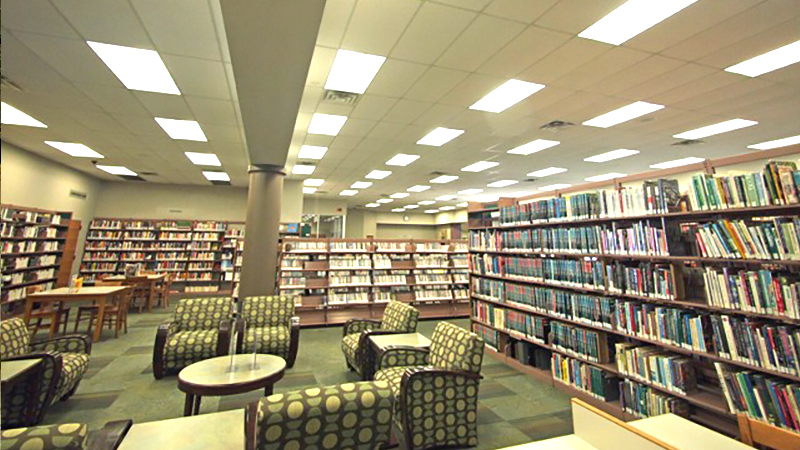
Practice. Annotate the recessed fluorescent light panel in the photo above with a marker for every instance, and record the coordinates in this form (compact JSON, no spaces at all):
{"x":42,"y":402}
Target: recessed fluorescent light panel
{"x":447,"y":208}
{"x":378,"y":174}
{"x":717,"y":128}
{"x":480,"y":166}
{"x":316,"y":182}
{"x":203,"y":159}
{"x":418,"y":188}
{"x":677,"y":163}
{"x":547,"y":172}
{"x":402,"y":160}
{"x":444,"y":198}
{"x":553,"y":187}
{"x":12,"y":116}
{"x":74,"y":149}
{"x":326,"y":124}
{"x":774,"y":60}
{"x":470,"y":191}
{"x":462,"y":205}
{"x":384,"y":200}
{"x":623,"y":114}
{"x":612,"y":155}
{"x":440,"y":136}
{"x":502,"y":183}
{"x":485,"y":198}
{"x":138,"y":69}
{"x":311,"y":152}
{"x":348,"y":192}
{"x":632,"y":18}
{"x":400,"y":195}
{"x":426,"y":202}
{"x":777,"y":143}
{"x":353,"y":71}
{"x":216,"y":176}
{"x":186,"y":130}
{"x":508,"y":94}
{"x":431,"y":211}
{"x":309,"y":190}
{"x":360,"y":185}
{"x":606,"y":176}
{"x":373,"y":205}
{"x":398,"y":209}
{"x":303,"y":169}
{"x":412,"y":206}
{"x":442,"y":179}
{"x":117,"y":170}
{"x":533,"y":147}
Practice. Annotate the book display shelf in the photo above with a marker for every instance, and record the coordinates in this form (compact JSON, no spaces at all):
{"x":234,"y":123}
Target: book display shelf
{"x":342,"y":279}
{"x":190,"y":249}
{"x":651,"y":296}
{"x":38,"y":248}
{"x":232,"y":248}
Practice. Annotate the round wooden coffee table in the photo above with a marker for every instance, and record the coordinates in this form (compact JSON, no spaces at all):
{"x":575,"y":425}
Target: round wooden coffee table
{"x":217,"y":377}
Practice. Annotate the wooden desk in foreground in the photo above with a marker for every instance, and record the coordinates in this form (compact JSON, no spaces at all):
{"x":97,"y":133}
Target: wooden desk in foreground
{"x":101,"y":295}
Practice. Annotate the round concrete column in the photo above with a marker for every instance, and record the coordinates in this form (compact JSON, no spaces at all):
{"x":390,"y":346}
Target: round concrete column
{"x":260,"y":257}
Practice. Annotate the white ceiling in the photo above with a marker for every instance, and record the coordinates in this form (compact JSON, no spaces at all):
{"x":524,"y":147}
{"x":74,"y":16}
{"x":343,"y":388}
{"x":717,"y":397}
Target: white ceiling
{"x":442,"y":55}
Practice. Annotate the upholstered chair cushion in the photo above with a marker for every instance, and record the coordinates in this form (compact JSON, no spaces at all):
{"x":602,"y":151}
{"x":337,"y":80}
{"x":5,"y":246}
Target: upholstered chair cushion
{"x":188,"y":347}
{"x":455,"y":348}
{"x":68,"y":436}
{"x":193,"y":314}
{"x":14,"y":338}
{"x":400,"y":318}
{"x":269,"y":310}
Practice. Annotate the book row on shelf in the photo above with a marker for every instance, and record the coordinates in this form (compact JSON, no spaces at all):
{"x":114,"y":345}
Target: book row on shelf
{"x":34,"y":244}
{"x":371,"y":246}
{"x":777,"y":184}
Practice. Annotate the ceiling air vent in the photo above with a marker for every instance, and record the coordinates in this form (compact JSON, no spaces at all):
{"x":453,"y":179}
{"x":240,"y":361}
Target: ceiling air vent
{"x":132,"y":177}
{"x":148,"y":174}
{"x":688,"y":142}
{"x":5,"y":82}
{"x":340,"y":98}
{"x":556,"y":125}
{"x":437,"y":173}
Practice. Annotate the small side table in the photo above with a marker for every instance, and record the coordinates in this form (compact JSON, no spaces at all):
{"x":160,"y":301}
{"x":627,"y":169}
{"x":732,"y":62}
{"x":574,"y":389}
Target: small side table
{"x":381,"y":343}
{"x":12,"y":372}
{"x":217,"y":377}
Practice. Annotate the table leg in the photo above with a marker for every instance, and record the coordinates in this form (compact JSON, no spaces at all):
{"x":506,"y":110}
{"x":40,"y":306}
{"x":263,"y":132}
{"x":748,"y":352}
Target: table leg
{"x":28,"y":309}
{"x":188,"y":405}
{"x":268,"y":390}
{"x":151,"y":296}
{"x":101,"y":312}
{"x":197,"y":399}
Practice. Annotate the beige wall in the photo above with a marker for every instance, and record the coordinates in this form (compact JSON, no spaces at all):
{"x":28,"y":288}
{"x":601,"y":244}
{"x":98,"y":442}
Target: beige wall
{"x":33,"y":181}
{"x":404,"y":231}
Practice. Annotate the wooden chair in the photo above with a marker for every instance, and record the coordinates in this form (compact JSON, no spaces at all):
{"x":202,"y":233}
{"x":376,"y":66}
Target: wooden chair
{"x":55,"y":312}
{"x":162,"y":291}
{"x":116,"y":314}
{"x":757,"y":433}
{"x":140,"y":286}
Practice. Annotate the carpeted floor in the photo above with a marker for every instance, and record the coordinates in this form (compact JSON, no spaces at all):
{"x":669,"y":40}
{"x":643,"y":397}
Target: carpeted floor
{"x":514,"y":408}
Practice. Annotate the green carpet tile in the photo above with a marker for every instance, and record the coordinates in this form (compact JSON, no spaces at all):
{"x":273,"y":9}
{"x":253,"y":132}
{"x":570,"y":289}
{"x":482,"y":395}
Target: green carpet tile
{"x":513,"y":408}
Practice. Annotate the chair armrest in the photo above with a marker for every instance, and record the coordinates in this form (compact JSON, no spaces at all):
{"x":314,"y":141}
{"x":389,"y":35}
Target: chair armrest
{"x":73,"y":343}
{"x":43,"y":387}
{"x":162,"y":334}
{"x":359,"y":325}
{"x":398,"y":356}
{"x":294,"y":341}
{"x":110,"y":436}
{"x":224,"y":337}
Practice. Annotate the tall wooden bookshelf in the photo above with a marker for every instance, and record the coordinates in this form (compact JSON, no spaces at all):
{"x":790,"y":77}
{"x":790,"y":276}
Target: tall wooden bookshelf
{"x":547,"y":295}
{"x":342,"y":279}
{"x":38,"y":248}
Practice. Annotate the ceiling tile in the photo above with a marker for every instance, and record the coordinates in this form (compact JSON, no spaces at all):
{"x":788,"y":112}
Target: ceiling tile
{"x":376,"y":25}
{"x":637,"y":74}
{"x":386,"y":130}
{"x":114,"y":99}
{"x":139,"y":125}
{"x":435,"y":83}
{"x":775,"y":37}
{"x":717,"y":81}
{"x":321,"y":62}
{"x":574,"y":16}
{"x":484,"y":37}
{"x":223,"y":133}
{"x":524,"y":50}
{"x":395,"y":78}
{"x":334,"y":22}
{"x":519,"y":10}
{"x":180,"y":27}
{"x":372,"y":107}
{"x":667,"y":81}
{"x":406,"y":111}
{"x":199,"y":77}
{"x":91,"y":21}
{"x":431,"y":31}
{"x":164,"y":105}
{"x":472,"y":89}
{"x":207,"y":110}
{"x":613,"y":62}
{"x":564,"y":59}
{"x":475,"y":5}
{"x":437,"y":115}
{"x":310,"y":100}
{"x":357,"y":127}
{"x":36,"y":16}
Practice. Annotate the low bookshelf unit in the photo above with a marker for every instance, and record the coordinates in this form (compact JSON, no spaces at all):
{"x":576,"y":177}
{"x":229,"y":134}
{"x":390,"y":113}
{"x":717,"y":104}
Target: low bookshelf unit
{"x":644,"y":299}
{"x":341,"y":279}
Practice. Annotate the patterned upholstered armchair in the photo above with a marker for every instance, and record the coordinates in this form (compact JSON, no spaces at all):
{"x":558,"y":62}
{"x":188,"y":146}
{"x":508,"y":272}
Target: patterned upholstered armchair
{"x":68,"y":436}
{"x":397,"y":318}
{"x":266,"y":326}
{"x":64,"y":361}
{"x":436,"y":392}
{"x":200,"y":329}
{"x":346,"y":416}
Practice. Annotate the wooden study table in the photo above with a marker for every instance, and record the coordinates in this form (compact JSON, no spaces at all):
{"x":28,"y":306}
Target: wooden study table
{"x":152,"y":279}
{"x":101,"y":295}
{"x":12,"y":372}
{"x":215,"y":431}
{"x":382,"y":342}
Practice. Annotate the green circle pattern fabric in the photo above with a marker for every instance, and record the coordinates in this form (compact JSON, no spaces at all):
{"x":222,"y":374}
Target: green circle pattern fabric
{"x":202,"y":313}
{"x":68,"y":436}
{"x":188,"y":347}
{"x":354,"y":416}
{"x":399,"y":317}
{"x":268,"y":321}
